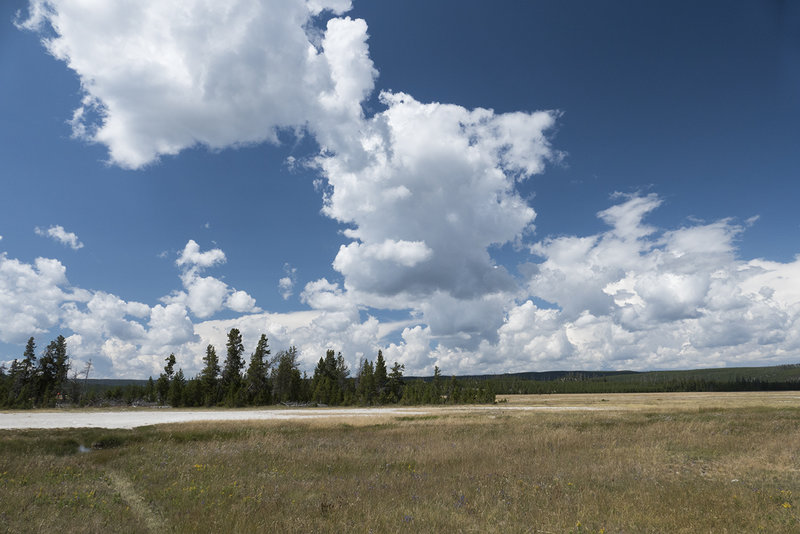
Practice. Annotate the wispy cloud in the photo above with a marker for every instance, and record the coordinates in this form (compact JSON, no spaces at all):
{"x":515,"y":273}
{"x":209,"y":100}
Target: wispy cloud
{"x":286,"y":284}
{"x":58,"y":233}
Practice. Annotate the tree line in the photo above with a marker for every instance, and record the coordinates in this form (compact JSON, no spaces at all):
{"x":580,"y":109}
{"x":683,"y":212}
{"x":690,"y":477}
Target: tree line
{"x":36,"y":381}
{"x":266,"y":379}
{"x":277,"y":379}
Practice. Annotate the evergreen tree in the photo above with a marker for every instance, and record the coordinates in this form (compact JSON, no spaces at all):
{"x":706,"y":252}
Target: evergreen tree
{"x":296,"y":386}
{"x":287,"y":382}
{"x":380,"y":378}
{"x":320,"y":383}
{"x":232,"y":372}
{"x":29,"y":360}
{"x":23,"y":377}
{"x":165,"y":378}
{"x":52,"y":372}
{"x":193,"y":394}
{"x":176,"y":387}
{"x":366,"y":383}
{"x":16,"y":383}
{"x":395,"y":383}
{"x":453,"y":391}
{"x":258,"y":390}
{"x":342,"y":372}
{"x":325,"y":384}
{"x":436,"y":397}
{"x":150,"y":390}
{"x":209,"y":377}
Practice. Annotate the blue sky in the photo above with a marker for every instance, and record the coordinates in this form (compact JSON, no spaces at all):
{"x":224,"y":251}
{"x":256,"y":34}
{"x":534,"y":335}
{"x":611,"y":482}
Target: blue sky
{"x":521,"y":186}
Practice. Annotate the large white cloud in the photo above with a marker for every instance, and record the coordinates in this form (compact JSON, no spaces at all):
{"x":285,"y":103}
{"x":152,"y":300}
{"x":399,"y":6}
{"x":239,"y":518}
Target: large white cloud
{"x":31,"y":296}
{"x":159,"y":77}
{"x":426,"y":189}
{"x":639,"y":297}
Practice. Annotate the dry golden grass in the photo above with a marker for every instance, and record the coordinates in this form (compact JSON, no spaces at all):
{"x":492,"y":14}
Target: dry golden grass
{"x":717,"y":464}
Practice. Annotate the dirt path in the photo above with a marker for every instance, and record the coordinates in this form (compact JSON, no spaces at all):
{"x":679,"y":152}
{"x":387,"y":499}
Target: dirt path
{"x":125,"y":488}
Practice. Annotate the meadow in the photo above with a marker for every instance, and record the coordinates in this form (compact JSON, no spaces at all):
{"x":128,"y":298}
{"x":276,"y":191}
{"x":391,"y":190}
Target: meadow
{"x":633,"y":463}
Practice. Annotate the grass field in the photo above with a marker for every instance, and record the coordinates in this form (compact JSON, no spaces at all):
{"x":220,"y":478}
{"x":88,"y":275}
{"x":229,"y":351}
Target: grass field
{"x":640,"y":463}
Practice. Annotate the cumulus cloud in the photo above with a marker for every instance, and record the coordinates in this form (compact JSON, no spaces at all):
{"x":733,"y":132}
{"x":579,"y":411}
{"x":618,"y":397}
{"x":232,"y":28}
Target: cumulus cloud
{"x":635,"y":296}
{"x":191,"y":256}
{"x":31,"y":296}
{"x":426,"y":189}
{"x":58,"y":233}
{"x":206,"y":295}
{"x":159,"y":77}
{"x":241,"y":302}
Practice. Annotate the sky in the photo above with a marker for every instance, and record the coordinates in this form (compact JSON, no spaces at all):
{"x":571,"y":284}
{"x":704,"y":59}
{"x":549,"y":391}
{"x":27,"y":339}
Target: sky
{"x":486,"y":187}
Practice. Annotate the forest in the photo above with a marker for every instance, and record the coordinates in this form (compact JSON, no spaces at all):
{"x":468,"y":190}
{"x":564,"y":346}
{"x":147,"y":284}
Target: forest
{"x":46,"y":381}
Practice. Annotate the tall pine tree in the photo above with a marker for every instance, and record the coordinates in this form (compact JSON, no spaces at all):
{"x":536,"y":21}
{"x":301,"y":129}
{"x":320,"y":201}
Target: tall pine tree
{"x":209,"y":377}
{"x":380,"y":378}
{"x":258,"y":390}
{"x":232,"y":372}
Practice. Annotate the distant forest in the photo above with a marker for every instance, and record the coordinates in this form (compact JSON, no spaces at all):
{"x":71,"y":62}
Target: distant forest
{"x":49,"y":381}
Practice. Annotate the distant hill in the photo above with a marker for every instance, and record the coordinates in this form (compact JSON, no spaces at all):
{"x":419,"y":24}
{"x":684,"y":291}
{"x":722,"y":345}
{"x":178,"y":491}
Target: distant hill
{"x":547,"y":375}
{"x":780,"y":377}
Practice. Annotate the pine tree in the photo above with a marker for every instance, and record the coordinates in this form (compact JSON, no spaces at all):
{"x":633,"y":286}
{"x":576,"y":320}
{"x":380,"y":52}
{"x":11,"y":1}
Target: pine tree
{"x":366,"y":383}
{"x":150,"y":390}
{"x":437,"y":385}
{"x":319,"y":383}
{"x":287,"y":382}
{"x":176,"y":387}
{"x":258,"y":390}
{"x":209,"y":377}
{"x":29,"y":359}
{"x":232,"y":372}
{"x":395,"y":383}
{"x":165,"y":378}
{"x":380,"y":378}
{"x":52,"y":372}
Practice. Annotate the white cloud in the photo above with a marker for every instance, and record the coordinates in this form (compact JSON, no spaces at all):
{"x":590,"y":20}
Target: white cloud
{"x":31,"y":297}
{"x":58,"y":233}
{"x":286,"y":287}
{"x":287,"y":283}
{"x":206,"y":295}
{"x":241,"y":302}
{"x":427,"y":189}
{"x":191,"y":256}
{"x":159,"y":77}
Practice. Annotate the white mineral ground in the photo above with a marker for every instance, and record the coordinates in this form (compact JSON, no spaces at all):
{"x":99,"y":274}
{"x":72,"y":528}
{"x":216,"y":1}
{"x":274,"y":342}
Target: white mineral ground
{"x":135,"y":417}
{"x":620,"y":402}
